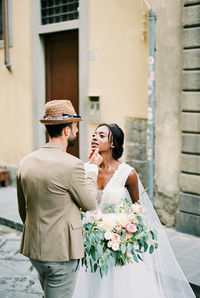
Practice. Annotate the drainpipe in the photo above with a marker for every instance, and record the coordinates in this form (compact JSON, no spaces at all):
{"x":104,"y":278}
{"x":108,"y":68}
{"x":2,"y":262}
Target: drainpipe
{"x":151,"y":96}
{"x":6,"y":35}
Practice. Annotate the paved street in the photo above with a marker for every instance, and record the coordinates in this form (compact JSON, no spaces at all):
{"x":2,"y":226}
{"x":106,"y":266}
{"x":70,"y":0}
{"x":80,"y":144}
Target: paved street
{"x":17,"y":277}
{"x":19,"y":280}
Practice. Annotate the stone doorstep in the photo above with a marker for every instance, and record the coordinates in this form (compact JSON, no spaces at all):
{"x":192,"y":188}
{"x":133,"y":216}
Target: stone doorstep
{"x":11,"y":173}
{"x":4,"y":180}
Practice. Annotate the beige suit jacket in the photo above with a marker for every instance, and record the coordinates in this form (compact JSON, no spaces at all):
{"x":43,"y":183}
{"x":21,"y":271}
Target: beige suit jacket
{"x":51,"y":188}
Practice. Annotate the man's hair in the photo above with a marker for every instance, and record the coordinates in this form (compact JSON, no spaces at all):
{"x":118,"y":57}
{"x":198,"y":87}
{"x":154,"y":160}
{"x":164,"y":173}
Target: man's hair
{"x":55,"y":131}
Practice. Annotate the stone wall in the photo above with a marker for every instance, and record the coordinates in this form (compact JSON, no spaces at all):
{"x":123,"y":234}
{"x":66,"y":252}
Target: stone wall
{"x":188,"y":216}
{"x":135,"y":143}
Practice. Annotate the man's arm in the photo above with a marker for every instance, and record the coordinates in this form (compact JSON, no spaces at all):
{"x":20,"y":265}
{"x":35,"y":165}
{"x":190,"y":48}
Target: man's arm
{"x":83,"y":188}
{"x":21,"y":200}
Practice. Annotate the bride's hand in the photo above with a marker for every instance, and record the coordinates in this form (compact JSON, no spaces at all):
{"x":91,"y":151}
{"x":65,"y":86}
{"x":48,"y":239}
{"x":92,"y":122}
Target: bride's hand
{"x":96,"y":158}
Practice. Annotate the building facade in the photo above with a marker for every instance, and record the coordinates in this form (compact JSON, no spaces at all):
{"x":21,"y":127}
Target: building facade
{"x":60,"y":50}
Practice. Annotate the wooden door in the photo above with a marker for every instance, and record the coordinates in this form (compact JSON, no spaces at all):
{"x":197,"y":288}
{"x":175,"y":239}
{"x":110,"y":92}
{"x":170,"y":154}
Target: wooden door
{"x":61,"y":57}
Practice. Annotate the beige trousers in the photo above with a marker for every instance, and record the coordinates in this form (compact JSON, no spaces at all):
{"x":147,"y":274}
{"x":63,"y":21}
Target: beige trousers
{"x":58,"y":279}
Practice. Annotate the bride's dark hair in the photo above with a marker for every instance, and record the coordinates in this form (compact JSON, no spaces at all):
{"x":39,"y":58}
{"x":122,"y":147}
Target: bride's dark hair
{"x":116,"y":136}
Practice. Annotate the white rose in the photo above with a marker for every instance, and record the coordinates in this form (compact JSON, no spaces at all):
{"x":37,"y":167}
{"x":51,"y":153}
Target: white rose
{"x":108,"y":222}
{"x":109,"y":244}
{"x":122,"y":219}
{"x":115,"y":246}
{"x":108,"y":235}
{"x":106,"y":226}
{"x":137,"y":208}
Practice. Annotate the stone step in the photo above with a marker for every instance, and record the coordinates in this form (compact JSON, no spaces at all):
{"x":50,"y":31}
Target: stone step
{"x":190,"y":183}
{"x":190,"y":122}
{"x":189,"y":203}
{"x":190,"y":163}
{"x":188,"y":223}
{"x":191,"y":37}
{"x":191,"y":15}
{"x":191,"y":143}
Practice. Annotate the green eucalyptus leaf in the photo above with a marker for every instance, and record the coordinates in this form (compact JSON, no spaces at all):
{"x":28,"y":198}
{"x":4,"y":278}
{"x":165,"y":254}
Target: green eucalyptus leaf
{"x":152,"y":235}
{"x":139,"y":251}
{"x":123,"y":248}
{"x":135,"y":258}
{"x":139,"y":257}
{"x":93,"y":253}
{"x":99,"y":249}
{"x":129,"y":247}
{"x":91,"y":265}
{"x":151,"y":249}
{"x":105,"y":268}
{"x":101,"y":272}
{"x":95,"y":267}
{"x":156,"y":245}
{"x":112,"y":260}
{"x":145,"y":246}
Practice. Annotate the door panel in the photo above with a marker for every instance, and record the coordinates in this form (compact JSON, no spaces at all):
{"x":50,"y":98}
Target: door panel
{"x":61,"y":56}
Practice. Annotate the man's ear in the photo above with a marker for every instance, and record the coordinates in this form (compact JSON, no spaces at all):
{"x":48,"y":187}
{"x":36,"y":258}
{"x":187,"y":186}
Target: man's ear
{"x":66,"y":131}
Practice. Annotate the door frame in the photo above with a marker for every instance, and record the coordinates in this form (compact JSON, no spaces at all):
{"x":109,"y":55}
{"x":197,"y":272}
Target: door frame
{"x":38,"y":71}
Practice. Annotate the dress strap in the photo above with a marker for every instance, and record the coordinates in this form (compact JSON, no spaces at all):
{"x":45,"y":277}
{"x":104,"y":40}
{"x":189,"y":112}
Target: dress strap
{"x":121,"y":174}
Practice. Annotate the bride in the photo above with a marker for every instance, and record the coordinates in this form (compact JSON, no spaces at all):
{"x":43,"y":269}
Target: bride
{"x":159,"y":275}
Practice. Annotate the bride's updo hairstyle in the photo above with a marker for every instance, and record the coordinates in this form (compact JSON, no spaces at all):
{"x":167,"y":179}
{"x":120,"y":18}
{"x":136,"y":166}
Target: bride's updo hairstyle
{"x":116,"y":136}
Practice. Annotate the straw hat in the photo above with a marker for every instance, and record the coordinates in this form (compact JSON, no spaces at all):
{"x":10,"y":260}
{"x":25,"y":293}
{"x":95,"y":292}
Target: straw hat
{"x":59,"y":112}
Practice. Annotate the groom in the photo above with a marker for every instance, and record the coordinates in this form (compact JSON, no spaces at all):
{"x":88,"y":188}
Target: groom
{"x":52,"y":186}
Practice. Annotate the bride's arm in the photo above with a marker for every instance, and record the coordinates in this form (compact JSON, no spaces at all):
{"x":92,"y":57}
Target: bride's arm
{"x":132,"y":186}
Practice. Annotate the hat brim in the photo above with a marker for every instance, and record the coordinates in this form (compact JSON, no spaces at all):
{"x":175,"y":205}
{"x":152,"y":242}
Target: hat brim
{"x":55,"y":122}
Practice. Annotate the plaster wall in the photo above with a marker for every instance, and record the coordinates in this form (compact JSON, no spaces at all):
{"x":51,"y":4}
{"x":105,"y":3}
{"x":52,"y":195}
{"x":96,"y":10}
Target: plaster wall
{"x":15,"y":89}
{"x":119,"y":71}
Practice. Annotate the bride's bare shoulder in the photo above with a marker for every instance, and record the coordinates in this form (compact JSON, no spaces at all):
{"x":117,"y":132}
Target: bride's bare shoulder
{"x":132,"y":178}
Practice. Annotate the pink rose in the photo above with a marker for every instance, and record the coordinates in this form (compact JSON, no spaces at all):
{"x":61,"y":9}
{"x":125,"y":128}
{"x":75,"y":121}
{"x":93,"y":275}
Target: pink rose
{"x":115,"y":238}
{"x":128,"y":235}
{"x":96,"y":214}
{"x":131,"y":228}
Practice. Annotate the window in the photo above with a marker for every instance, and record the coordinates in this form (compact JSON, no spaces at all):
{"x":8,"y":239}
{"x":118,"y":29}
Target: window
{"x":55,"y":11}
{"x":1,"y":21}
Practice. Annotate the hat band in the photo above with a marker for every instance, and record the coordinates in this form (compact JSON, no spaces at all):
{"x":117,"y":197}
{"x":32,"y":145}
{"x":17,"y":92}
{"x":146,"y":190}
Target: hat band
{"x":63,"y":117}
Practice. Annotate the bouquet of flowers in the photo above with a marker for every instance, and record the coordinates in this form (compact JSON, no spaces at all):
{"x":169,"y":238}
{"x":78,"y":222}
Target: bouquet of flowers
{"x":115,"y":236}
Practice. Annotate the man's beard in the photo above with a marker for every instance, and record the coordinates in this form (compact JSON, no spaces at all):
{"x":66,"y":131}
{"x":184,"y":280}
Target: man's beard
{"x":71,"y":142}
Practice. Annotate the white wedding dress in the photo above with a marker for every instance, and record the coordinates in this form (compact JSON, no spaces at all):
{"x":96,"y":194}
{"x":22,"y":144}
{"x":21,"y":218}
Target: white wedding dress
{"x":158,"y":276}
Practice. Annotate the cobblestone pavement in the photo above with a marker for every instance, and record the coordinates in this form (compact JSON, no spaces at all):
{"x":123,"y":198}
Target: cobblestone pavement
{"x":18,"y":279}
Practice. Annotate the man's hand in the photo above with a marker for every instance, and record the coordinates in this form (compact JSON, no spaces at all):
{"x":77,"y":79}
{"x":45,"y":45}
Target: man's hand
{"x":96,"y":158}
